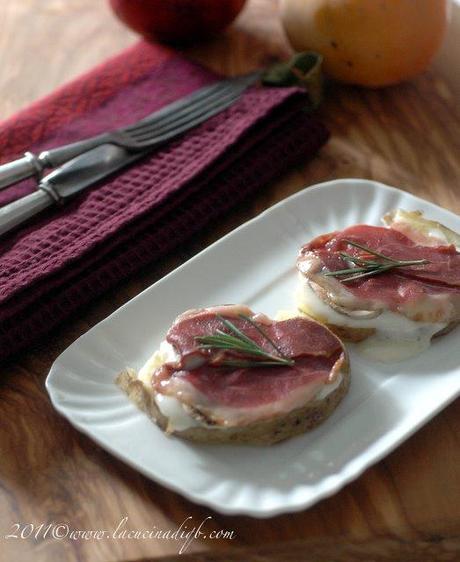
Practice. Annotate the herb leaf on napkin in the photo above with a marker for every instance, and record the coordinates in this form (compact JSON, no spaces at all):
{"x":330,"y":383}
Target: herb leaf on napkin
{"x":303,"y":70}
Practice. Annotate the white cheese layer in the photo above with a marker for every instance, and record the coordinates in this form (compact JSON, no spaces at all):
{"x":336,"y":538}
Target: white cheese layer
{"x":179,"y":419}
{"x":396,"y":337}
{"x":171,"y":408}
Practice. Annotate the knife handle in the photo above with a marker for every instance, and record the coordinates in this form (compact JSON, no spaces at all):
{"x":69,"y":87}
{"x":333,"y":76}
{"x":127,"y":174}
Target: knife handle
{"x":19,"y":211}
{"x":12,"y":172}
{"x":32,"y":165}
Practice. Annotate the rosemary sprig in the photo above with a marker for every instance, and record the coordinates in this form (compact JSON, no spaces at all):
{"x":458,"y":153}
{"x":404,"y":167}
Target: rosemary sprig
{"x":366,"y":267}
{"x":252,"y":354}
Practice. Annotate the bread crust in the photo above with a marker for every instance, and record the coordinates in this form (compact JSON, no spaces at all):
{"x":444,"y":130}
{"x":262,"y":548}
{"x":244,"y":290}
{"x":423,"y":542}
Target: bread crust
{"x":264,"y":432}
{"x":347,"y":333}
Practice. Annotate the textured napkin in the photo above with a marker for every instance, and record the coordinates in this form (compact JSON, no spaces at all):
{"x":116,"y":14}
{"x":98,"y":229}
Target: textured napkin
{"x":69,"y":255}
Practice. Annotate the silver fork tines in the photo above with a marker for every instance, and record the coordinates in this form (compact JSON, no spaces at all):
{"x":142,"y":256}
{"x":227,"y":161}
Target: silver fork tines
{"x":141,"y":135}
{"x":151,"y":131}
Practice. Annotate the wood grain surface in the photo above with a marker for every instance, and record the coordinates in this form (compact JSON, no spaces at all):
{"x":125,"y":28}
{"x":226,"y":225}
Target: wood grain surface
{"x":333,"y":550}
{"x":407,"y":507}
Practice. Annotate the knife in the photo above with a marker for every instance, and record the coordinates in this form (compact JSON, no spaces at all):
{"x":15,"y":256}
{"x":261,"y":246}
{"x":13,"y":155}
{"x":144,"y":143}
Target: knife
{"x":66,"y":181}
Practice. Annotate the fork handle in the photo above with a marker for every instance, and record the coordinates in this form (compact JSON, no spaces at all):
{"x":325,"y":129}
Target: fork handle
{"x":58,"y":156}
{"x":31,"y":165}
{"x":25,"y":167}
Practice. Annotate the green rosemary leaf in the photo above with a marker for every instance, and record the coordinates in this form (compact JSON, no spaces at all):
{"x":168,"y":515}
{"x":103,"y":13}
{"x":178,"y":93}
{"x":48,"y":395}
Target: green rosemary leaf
{"x":236,"y":331}
{"x":250,"y":352}
{"x":369,"y":250}
{"x":259,"y":329}
{"x":367,"y":267}
{"x":302,"y":70}
{"x":251,"y":364}
{"x":345,"y":271}
{"x":357,"y":260}
{"x":368,"y":273}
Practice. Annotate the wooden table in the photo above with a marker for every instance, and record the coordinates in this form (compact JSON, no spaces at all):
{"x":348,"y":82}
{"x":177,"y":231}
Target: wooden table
{"x":407,"y":507}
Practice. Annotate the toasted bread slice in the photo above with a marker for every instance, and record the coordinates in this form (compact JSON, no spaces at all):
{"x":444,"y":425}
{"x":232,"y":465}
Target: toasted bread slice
{"x":392,"y":315}
{"x":308,"y":393}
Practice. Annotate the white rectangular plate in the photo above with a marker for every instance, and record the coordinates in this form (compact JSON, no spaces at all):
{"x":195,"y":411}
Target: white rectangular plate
{"x":255,"y":265}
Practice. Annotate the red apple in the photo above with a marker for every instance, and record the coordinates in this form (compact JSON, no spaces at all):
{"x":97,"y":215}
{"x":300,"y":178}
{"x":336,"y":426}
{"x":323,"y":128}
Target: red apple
{"x":176,"y":20}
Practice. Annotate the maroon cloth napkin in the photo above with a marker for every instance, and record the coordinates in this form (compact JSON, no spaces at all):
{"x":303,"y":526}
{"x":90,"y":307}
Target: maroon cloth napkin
{"x":69,"y":255}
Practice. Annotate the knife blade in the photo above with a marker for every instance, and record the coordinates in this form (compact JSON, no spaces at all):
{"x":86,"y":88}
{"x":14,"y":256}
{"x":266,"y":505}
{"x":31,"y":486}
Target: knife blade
{"x":66,"y":181}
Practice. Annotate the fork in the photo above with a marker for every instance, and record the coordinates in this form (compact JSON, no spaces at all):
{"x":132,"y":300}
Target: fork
{"x":151,"y":131}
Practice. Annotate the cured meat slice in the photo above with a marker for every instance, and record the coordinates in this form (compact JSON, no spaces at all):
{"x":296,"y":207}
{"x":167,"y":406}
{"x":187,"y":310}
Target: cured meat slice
{"x":294,"y":338}
{"x":247,"y":388}
{"x":443,"y":269}
{"x":404,"y":289}
{"x":257,"y":381}
{"x":210,"y":386}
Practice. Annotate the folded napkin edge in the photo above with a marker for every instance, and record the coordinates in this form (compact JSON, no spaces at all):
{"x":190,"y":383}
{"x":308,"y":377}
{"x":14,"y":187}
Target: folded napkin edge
{"x":58,"y":303}
{"x":38,"y":268}
{"x":102,"y":80}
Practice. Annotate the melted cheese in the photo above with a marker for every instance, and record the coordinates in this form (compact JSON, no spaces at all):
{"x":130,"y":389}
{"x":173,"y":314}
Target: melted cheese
{"x":178,"y":418}
{"x":396,"y":337}
{"x":163,"y":355}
